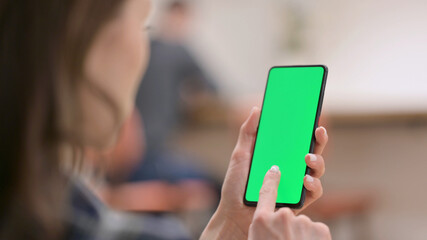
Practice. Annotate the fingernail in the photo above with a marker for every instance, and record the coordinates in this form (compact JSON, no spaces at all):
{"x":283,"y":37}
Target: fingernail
{"x":309,"y":178}
{"x":274,"y":169}
{"x":312,"y":157}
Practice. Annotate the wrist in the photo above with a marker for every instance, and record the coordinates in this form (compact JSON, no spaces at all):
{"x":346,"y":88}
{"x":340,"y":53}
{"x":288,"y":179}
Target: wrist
{"x":221,"y":226}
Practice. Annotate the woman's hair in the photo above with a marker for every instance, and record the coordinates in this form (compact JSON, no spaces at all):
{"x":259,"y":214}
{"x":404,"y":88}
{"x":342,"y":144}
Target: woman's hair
{"x":43,"y":45}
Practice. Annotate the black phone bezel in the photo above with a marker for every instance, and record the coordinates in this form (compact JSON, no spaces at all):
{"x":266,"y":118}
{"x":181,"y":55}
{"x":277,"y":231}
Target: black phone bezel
{"x":313,"y":138}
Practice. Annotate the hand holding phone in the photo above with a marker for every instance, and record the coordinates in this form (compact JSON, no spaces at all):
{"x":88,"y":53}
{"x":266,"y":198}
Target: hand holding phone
{"x":291,"y":109}
{"x":232,"y":218}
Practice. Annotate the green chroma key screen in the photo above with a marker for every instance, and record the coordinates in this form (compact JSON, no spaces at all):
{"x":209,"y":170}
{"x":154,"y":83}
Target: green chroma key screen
{"x":285,"y":130}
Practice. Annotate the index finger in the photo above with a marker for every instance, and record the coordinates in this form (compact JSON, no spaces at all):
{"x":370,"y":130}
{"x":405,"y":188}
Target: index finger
{"x":268,"y":192}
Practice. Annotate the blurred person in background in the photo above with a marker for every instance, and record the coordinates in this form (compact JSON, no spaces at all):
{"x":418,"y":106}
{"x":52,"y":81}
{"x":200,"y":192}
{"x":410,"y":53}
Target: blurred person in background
{"x":173,"y":83}
{"x":69,"y":71}
{"x":173,"y":75}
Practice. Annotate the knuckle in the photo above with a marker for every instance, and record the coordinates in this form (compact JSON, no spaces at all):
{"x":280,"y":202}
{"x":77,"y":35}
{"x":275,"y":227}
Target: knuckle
{"x":244,"y":127}
{"x":321,"y":163}
{"x":320,"y":191}
{"x":240,"y":155}
{"x":317,"y":189}
{"x":265,"y":190}
{"x":320,"y":159}
{"x":303,"y":219}
{"x":247,"y":132}
{"x":322,"y":229}
{"x":284,"y":213}
{"x":260,"y":219}
{"x":268,"y":187}
{"x":326,"y":138}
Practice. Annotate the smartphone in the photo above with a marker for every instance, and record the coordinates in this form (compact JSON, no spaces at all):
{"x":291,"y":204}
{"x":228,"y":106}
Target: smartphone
{"x":289,"y":116}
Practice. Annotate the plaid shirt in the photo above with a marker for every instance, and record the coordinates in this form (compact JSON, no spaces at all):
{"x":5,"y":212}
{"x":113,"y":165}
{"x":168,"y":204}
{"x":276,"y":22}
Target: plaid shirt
{"x":90,"y":219}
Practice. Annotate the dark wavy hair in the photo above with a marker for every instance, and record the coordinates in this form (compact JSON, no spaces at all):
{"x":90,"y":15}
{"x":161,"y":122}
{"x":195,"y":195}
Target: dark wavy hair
{"x":43,"y":44}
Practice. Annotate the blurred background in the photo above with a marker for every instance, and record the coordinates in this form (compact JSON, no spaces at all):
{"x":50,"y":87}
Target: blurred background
{"x":208,"y":67}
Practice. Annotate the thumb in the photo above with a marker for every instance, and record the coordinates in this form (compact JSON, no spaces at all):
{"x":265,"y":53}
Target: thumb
{"x":238,"y":168}
{"x":247,"y":136}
